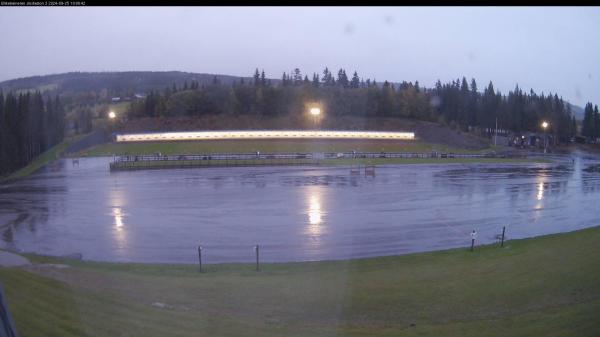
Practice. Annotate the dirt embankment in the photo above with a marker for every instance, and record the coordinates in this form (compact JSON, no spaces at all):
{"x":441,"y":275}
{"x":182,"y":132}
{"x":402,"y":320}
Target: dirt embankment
{"x":425,"y":131}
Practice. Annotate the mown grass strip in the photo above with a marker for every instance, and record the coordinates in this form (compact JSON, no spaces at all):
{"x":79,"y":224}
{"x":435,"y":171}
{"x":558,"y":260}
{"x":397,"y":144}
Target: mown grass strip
{"x":542,"y":286}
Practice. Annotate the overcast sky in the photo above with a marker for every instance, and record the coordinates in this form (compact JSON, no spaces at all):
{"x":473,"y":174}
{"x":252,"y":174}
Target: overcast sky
{"x":553,"y":49}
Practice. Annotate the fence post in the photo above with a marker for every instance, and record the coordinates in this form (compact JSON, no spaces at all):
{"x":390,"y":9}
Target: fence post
{"x":502,"y":242}
{"x":200,"y":257}
{"x":256,"y":248}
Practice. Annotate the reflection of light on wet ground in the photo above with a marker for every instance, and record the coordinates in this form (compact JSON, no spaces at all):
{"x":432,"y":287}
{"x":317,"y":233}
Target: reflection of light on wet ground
{"x":117,"y":201}
{"x":539,"y":204}
{"x":118,"y":215}
{"x":315,"y":212}
{"x":120,"y":233}
{"x":307,"y":213}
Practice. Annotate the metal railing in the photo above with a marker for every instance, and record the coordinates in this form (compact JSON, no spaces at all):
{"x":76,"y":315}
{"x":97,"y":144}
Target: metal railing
{"x":257,"y":158}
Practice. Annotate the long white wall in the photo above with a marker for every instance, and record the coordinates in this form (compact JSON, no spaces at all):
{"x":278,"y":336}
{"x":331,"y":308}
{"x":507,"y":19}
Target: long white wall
{"x":266,"y":134}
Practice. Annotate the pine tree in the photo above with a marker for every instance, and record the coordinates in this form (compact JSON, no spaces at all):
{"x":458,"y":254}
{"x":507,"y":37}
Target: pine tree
{"x":342,"y":78}
{"x":59,"y":114}
{"x":327,"y":78}
{"x":596,"y":122}
{"x":587,"y":126}
{"x":284,"y":79}
{"x":263,"y":80}
{"x":473,"y":87}
{"x":316,"y":81}
{"x":297,"y":77}
{"x":355,"y":82}
{"x":256,"y":78}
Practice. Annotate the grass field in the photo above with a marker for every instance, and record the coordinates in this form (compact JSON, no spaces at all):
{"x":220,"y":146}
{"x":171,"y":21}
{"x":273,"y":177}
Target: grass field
{"x":546,"y":286}
{"x":266,"y":146}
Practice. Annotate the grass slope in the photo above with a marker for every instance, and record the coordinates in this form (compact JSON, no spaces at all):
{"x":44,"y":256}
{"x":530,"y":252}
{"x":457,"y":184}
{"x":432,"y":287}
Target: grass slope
{"x":546,"y":286}
{"x":40,"y":161}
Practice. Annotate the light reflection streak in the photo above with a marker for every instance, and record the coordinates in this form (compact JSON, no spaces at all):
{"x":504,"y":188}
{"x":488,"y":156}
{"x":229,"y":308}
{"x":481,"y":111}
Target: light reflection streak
{"x":541,"y":182}
{"x":315,"y":212}
{"x":540,"y":191}
{"x":118,"y":215}
{"x":117,"y":203}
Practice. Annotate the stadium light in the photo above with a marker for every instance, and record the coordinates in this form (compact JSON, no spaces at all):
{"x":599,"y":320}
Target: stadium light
{"x":545,"y":126}
{"x":315,"y":112}
{"x":112,"y":115}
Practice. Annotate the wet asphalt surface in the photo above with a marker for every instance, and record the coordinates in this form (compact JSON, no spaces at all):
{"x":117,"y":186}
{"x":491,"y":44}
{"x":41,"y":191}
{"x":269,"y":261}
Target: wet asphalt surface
{"x":295,"y":213}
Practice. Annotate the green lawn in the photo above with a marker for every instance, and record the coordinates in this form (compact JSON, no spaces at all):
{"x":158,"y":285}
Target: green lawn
{"x":265,"y":146}
{"x":547,"y":286}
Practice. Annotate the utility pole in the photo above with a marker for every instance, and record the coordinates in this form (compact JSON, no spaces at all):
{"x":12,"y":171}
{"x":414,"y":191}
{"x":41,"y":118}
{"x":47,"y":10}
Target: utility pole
{"x":496,"y":134}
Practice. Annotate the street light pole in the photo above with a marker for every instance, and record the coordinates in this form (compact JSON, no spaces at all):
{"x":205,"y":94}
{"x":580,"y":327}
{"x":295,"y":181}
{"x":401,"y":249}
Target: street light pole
{"x":545,"y":126}
{"x":496,"y":134}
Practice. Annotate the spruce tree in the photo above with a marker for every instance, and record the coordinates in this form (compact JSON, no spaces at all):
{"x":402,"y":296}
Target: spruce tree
{"x":596,"y":122}
{"x":263,"y":80}
{"x":355,"y":82}
{"x":587,"y":126}
{"x":342,"y":79}
{"x":284,"y":79}
{"x":297,"y":76}
{"x":256,"y":78}
{"x":316,"y":81}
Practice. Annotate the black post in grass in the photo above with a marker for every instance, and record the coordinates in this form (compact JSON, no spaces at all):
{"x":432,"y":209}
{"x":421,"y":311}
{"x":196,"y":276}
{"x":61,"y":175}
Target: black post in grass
{"x":200,"y":258}
{"x":256,"y":248}
{"x":503,"y":231}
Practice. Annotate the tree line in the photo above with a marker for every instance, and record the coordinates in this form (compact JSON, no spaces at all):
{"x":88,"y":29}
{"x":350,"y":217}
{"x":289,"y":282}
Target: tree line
{"x":590,"y":126}
{"x":29,"y":125}
{"x":458,"y":103}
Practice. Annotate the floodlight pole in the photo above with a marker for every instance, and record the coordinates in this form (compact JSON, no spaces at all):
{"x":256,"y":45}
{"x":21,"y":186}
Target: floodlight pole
{"x":496,"y":133}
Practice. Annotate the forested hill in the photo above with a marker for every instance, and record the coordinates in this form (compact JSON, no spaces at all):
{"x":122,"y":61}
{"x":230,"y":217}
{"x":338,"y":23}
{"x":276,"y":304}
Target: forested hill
{"x":118,"y":84}
{"x":112,"y":83}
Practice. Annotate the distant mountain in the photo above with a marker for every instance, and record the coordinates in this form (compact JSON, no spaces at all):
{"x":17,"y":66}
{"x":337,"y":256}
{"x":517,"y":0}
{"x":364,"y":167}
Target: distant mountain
{"x":577,"y":111}
{"x":137,"y":81}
